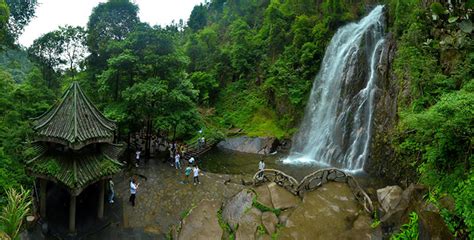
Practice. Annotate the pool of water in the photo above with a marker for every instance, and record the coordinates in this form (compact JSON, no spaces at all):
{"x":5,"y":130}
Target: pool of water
{"x":219,"y":160}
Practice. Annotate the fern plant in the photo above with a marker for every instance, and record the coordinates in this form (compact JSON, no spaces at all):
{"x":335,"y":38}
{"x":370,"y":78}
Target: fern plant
{"x":409,"y":231}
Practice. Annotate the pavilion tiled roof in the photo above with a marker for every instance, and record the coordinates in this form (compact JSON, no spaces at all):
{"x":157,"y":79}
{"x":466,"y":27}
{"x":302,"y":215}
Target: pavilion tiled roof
{"x":74,"y":122}
{"x":75,"y":170}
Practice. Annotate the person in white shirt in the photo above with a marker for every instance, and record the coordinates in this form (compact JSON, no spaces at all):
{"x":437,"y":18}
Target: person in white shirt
{"x":196,"y":175}
{"x":137,"y":153}
{"x":133,"y":191}
{"x":191,"y":161}
{"x":261,"y":167}
{"x":112,"y":191}
{"x":177,"y":162}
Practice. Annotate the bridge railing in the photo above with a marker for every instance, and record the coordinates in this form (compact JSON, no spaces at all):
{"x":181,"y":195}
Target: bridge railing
{"x":272,"y":175}
{"x":314,"y":181}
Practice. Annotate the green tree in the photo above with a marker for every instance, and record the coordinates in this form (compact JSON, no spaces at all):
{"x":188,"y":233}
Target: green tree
{"x":21,"y":13}
{"x":198,"y":18}
{"x":109,"y":21}
{"x":47,"y":51}
{"x":4,"y":15}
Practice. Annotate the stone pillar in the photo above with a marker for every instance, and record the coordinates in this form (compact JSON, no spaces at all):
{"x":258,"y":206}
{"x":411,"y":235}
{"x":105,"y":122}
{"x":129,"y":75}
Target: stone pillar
{"x":72,"y":214}
{"x":100,"y":210}
{"x":42,"y":196}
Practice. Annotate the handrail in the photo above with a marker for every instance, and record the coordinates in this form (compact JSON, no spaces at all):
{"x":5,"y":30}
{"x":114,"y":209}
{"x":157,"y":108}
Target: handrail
{"x":314,"y":181}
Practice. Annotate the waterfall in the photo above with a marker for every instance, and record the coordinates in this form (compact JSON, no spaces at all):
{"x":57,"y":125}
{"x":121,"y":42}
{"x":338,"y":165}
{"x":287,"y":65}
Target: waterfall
{"x":336,"y":128}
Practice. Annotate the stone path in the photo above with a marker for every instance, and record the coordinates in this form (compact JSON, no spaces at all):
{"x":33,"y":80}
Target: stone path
{"x":162,"y":199}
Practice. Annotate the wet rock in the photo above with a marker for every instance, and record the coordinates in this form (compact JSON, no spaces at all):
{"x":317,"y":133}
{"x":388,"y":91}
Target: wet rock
{"x":362,"y":222}
{"x":263,"y":195}
{"x":248,"y":224}
{"x":258,"y":145}
{"x":264,"y":237}
{"x":202,"y":222}
{"x":236,"y":207}
{"x":269,"y":220}
{"x":432,"y":226}
{"x":281,"y":198}
{"x":284,"y":215}
{"x":448,"y":203}
{"x":389,"y":197}
{"x":328,"y":212}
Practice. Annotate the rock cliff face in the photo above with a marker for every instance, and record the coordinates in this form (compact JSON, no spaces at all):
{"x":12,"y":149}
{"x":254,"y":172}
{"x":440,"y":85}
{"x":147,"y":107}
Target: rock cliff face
{"x":258,"y":145}
{"x":382,"y":160}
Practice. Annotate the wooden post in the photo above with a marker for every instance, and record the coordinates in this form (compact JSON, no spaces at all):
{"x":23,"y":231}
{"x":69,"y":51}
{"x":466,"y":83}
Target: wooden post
{"x":100,"y":210}
{"x":72,"y":214}
{"x":43,"y":185}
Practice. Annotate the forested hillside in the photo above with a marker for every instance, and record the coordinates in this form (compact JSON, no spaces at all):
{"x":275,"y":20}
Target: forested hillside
{"x":250,"y":65}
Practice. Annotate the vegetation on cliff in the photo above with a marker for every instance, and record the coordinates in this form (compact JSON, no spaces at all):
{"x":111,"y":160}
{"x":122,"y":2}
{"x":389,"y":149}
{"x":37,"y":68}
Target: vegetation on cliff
{"x":247,"y":64}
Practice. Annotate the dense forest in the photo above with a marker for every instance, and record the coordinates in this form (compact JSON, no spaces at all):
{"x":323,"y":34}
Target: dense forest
{"x":250,"y":65}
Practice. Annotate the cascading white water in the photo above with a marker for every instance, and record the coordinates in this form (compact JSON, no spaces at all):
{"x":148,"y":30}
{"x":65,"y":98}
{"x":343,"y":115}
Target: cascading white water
{"x":336,"y":128}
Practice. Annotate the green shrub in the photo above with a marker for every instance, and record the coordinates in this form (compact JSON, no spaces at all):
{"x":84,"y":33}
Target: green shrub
{"x":408,"y":231}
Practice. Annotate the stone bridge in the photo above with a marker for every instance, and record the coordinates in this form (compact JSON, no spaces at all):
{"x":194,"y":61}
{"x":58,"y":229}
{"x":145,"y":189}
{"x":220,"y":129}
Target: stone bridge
{"x":313,"y":181}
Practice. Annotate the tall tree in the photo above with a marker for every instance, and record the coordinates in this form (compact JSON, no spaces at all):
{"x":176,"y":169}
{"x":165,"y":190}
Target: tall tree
{"x":21,"y":12}
{"x":198,"y":18}
{"x":47,"y":51}
{"x":109,"y":21}
{"x":60,"y":50}
{"x":4,"y":14}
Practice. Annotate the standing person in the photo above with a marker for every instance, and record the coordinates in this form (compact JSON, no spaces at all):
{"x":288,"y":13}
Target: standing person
{"x":177,"y":161}
{"x":196,"y":175}
{"x":137,"y":157}
{"x":261,"y":166}
{"x":133,"y":191}
{"x":112,"y":191}
{"x":187,"y":172}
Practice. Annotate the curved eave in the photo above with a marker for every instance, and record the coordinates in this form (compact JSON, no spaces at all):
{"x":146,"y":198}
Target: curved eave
{"x":74,"y":173}
{"x":74,"y":145}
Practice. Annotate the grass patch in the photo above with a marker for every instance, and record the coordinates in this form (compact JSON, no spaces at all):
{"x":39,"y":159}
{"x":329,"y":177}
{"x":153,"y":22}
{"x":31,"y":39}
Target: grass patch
{"x":264,"y":208}
{"x":376,"y":221}
{"x":277,"y":231}
{"x":261,"y":230}
{"x":186,"y":212}
{"x":225,"y":226}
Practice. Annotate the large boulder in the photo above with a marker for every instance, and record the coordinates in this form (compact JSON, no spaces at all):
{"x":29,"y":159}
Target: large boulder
{"x":248,"y":224}
{"x":263,"y":195}
{"x":389,"y":197}
{"x":431,"y":224}
{"x":282,"y":198}
{"x":257,"y":145}
{"x":202,"y":222}
{"x":269,"y":220}
{"x":329,"y":212}
{"x":283,"y":217}
{"x":236,"y":207}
